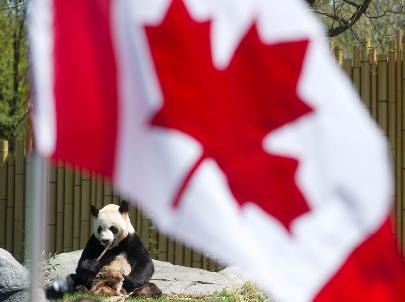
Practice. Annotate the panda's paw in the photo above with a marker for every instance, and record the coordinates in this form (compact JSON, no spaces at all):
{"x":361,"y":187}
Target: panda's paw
{"x":57,"y":289}
{"x":91,"y":266}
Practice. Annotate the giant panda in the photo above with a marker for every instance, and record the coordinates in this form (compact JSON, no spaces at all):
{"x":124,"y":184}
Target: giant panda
{"x":126,"y":263}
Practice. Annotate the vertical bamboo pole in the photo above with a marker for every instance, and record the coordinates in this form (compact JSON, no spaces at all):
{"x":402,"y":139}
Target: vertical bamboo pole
{"x":197,"y":260}
{"x":60,"y":193}
{"x":392,"y":115}
{"x":153,"y":239}
{"x":179,"y":253}
{"x":10,"y":202}
{"x":99,"y":193}
{"x":392,"y":97}
{"x":170,"y":250}
{"x":52,"y":209}
{"x":107,"y":193}
{"x":19,"y":201}
{"x":162,"y":247}
{"x":68,"y":209}
{"x":3,"y":196}
{"x":205,"y":261}
{"x":212,"y":265}
{"x":85,"y":210}
{"x":3,"y":151}
{"x":356,"y":69}
{"x":373,"y":83}
{"x":28,"y":200}
{"x":347,"y":67}
{"x":76,"y":209}
{"x":365,"y":76}
{"x":382,"y":93}
{"x":187,"y":257}
{"x":115,"y":198}
{"x":145,"y":230}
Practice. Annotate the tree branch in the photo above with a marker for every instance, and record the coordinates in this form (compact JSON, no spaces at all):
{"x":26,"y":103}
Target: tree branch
{"x":345,"y":25}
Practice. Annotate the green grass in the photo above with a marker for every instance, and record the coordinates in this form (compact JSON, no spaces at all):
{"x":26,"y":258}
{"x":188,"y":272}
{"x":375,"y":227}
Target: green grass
{"x":248,"y":292}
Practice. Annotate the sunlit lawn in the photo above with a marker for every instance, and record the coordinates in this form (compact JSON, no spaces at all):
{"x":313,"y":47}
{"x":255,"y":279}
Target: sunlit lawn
{"x":247,"y":293}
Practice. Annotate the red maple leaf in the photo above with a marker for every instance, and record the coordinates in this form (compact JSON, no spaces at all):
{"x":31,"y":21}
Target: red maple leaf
{"x":230,"y":111}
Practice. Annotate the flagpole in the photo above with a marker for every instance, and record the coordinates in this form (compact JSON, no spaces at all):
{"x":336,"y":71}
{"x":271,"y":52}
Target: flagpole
{"x":36,"y":222}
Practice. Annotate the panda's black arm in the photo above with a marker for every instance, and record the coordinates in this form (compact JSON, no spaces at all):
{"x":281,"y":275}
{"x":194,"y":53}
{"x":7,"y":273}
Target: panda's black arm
{"x":86,"y":269}
{"x":141,"y":262}
{"x":88,"y":266}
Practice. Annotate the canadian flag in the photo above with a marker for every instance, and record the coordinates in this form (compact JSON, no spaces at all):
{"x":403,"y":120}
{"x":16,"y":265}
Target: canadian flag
{"x":231,"y":125}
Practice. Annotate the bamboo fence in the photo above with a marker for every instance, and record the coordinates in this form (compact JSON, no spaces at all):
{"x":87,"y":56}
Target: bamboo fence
{"x":70,"y":194}
{"x":378,"y":78}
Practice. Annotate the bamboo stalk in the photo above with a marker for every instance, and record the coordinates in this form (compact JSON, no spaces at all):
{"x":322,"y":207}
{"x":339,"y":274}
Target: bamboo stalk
{"x":187,"y":257}
{"x":3,"y":203}
{"x":68,"y":210}
{"x":10,"y":203}
{"x":107,"y":193}
{"x":162,"y":246}
{"x":179,"y":253}
{"x":382,"y":95}
{"x":19,"y":201}
{"x":373,"y":84}
{"x":356,"y":69}
{"x":52,"y":209}
{"x":170,"y":251}
{"x":3,"y":151}
{"x":76,"y":209}
{"x":85,"y":210}
{"x":60,"y":186}
{"x":365,"y":91}
{"x":347,"y":67}
{"x":197,"y":260}
{"x":100,"y":192}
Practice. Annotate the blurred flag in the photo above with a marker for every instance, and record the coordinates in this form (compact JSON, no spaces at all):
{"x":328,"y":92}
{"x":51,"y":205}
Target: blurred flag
{"x":230,"y":124}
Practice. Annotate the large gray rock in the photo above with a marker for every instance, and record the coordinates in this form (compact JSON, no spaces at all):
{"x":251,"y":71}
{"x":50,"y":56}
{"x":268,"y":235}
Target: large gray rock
{"x":20,"y":296}
{"x":13,"y":276}
{"x":14,"y":280}
{"x":60,"y":266}
{"x":23,"y":296}
{"x":171,"y":279}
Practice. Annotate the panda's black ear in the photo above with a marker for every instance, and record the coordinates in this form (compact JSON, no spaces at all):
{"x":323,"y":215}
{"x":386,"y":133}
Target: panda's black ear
{"x":94,"y":211}
{"x":124,"y":207}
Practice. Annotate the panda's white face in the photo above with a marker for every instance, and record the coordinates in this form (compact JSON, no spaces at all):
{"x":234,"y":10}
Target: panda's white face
{"x":111,"y":226}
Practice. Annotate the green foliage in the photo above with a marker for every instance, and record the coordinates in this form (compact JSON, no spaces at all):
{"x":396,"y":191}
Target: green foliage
{"x":14,"y":90}
{"x":379,"y":22}
{"x":248,"y":292}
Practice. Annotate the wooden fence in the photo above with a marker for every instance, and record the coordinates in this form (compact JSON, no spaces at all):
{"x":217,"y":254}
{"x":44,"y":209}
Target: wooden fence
{"x":70,"y":194}
{"x":378,"y":78}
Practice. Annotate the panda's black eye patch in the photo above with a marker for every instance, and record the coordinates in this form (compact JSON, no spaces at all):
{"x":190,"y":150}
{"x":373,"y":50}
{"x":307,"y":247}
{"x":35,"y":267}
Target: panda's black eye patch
{"x":114,"y":230}
{"x":99,"y":229}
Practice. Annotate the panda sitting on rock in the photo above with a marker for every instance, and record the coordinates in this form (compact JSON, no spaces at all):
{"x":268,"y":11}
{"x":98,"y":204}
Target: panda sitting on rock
{"x":125,"y":266}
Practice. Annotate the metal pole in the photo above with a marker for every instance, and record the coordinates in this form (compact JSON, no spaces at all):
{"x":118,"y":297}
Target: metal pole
{"x":36,"y":227}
